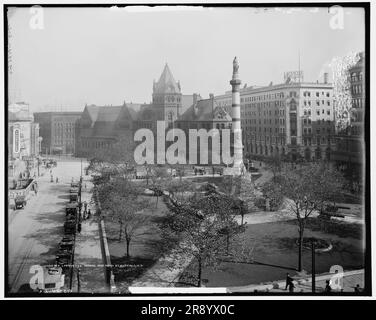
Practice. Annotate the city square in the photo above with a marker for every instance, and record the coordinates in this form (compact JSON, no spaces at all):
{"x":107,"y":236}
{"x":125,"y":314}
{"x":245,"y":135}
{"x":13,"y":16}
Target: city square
{"x":253,"y":189}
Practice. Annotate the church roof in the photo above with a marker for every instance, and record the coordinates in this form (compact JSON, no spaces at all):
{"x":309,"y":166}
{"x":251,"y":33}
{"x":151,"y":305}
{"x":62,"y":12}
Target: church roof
{"x":201,"y":111}
{"x":166,"y":83}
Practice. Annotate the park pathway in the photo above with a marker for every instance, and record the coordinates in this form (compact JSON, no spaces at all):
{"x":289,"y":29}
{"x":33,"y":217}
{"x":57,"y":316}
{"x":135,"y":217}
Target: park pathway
{"x":348,"y":282}
{"x":88,"y":258}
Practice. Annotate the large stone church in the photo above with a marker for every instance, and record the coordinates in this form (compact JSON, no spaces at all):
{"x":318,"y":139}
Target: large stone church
{"x":100,"y":126}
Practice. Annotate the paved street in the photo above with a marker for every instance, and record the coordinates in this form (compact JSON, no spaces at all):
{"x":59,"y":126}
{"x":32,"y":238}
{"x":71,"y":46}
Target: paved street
{"x":35,"y":231}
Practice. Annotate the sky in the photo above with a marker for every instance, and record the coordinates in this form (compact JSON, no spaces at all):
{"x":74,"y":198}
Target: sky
{"x":105,"y":56}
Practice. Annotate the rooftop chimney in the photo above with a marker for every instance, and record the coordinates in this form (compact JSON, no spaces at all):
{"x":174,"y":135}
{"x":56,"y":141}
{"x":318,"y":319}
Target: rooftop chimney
{"x":194,"y":98}
{"x":326,"y":77}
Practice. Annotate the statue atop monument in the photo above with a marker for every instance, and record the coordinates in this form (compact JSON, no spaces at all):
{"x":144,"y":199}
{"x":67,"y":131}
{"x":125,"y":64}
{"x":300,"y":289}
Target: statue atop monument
{"x":235,"y":65}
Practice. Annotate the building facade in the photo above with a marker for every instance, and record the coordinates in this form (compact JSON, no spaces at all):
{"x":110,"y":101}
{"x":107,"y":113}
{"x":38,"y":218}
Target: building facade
{"x":101,"y":126}
{"x":294,"y":120}
{"x":349,"y":153}
{"x":58,"y":131}
{"x":23,"y":141}
{"x":23,"y":132}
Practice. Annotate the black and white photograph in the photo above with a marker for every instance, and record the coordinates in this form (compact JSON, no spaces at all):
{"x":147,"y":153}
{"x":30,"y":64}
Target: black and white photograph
{"x":187,"y":149}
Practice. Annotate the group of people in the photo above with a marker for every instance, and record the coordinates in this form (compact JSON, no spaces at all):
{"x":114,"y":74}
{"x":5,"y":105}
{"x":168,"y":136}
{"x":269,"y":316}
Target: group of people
{"x":328,"y":288}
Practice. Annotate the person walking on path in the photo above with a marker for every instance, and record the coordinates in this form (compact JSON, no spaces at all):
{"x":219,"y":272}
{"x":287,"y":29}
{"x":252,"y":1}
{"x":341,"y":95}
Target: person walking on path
{"x":88,"y":214}
{"x":289,"y":281}
{"x":357,"y":288}
{"x":79,"y":227}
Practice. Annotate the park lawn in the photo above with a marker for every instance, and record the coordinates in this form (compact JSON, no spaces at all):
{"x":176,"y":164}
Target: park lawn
{"x":274,"y":253}
{"x":144,"y":249}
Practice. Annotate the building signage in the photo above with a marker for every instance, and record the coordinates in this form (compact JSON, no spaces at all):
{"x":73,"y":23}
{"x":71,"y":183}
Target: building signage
{"x":16,"y":141}
{"x":294,"y":76}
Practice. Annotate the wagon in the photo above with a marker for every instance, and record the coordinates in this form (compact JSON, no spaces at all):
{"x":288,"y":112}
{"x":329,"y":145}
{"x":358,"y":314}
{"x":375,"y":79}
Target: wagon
{"x":70,"y":227}
{"x":73,"y":197}
{"x":71,"y":208}
{"x":53,"y":279}
{"x":20,"y":202}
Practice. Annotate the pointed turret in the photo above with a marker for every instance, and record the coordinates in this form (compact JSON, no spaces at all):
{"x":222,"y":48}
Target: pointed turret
{"x":166,"y":82}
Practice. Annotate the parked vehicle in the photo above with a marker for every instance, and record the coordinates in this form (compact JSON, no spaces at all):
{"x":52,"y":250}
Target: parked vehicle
{"x":20,"y":202}
{"x":199,"y":170}
{"x":53,"y":279}
{"x":71,"y":208}
{"x":73,"y":197}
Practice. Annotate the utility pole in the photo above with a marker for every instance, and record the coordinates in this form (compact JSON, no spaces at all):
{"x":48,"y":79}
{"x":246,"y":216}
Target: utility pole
{"x":313,"y":267}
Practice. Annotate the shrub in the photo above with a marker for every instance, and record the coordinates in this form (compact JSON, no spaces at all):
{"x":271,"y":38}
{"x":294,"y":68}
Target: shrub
{"x":260,"y":203}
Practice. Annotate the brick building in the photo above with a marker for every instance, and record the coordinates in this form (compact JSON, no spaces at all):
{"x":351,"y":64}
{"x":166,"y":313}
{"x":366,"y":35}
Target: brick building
{"x":101,"y":126}
{"x":58,"y":131}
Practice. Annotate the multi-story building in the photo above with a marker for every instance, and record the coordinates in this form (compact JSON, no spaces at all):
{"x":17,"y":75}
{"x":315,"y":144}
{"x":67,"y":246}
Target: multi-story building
{"x":349,"y":142}
{"x":293,"y":119}
{"x":23,"y":140}
{"x":58,"y":131}
{"x":168,"y":103}
{"x":23,"y":132}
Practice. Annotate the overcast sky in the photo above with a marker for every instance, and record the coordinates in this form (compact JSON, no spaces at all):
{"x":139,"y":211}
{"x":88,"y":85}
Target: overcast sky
{"x":103,"y":56}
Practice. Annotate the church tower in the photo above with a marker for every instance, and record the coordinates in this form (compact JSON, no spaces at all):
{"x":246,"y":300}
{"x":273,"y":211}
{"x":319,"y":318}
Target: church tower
{"x":167,"y":97}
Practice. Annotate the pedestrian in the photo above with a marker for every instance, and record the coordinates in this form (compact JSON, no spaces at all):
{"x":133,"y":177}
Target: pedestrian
{"x":288,"y":281}
{"x":88,"y":214}
{"x":79,"y":228}
{"x":57,"y":179}
{"x":328,"y":288}
{"x":291,"y":286}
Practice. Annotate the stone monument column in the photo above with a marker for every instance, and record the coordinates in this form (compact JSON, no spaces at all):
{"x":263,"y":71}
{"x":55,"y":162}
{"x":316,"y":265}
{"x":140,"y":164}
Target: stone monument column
{"x":238,"y":166}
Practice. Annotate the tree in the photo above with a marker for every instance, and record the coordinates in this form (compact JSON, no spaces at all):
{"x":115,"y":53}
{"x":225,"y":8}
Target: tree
{"x":201,"y":228}
{"x":117,"y":158}
{"x":121,"y":202}
{"x":274,"y":164}
{"x":308,"y":187}
{"x":159,"y":177}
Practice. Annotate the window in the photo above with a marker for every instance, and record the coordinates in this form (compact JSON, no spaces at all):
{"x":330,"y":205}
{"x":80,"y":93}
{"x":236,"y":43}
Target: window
{"x":318,"y":112}
{"x":328,"y":103}
{"x":328,"y":112}
{"x":317,"y":94}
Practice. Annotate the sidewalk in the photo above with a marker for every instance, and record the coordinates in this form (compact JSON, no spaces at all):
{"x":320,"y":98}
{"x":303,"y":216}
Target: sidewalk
{"x":304,"y":284}
{"x":88,"y":252}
